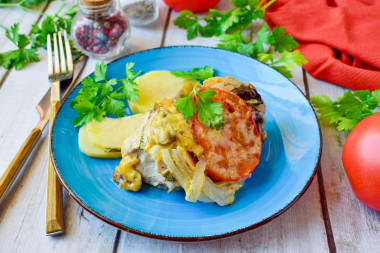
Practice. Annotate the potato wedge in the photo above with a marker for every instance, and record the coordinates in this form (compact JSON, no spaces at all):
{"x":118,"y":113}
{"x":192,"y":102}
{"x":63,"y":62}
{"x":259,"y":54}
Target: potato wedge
{"x":88,"y":148}
{"x":153,"y":87}
{"x":110,"y":133}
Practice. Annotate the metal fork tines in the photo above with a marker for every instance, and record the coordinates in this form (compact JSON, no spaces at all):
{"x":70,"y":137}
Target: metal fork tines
{"x":62,"y":67}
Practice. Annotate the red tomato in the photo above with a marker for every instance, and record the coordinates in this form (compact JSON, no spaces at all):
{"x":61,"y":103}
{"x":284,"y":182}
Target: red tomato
{"x":233,"y":152}
{"x":361,"y":160}
{"x":191,"y":5}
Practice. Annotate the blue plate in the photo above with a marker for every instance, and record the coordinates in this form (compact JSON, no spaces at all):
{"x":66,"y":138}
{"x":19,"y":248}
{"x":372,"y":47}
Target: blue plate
{"x":288,"y":162}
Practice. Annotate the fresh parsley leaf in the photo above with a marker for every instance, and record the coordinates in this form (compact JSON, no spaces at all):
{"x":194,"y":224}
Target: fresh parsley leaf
{"x":196,"y":73}
{"x":264,"y":36}
{"x":20,"y":57}
{"x":281,"y":41}
{"x":99,"y":96}
{"x":346,"y":124}
{"x":114,"y":106}
{"x":288,"y":61}
{"x":100,"y":72}
{"x":129,"y":72}
{"x":188,"y":20}
{"x":130,"y":90}
{"x":265,"y":58}
{"x":187,"y":106}
{"x":231,"y":20}
{"x":207,"y":95}
{"x":209,"y":113}
{"x":347,"y":110}
{"x":291,"y":60}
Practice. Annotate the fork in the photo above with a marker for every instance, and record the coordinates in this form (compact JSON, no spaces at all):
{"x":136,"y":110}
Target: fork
{"x":60,"y":69}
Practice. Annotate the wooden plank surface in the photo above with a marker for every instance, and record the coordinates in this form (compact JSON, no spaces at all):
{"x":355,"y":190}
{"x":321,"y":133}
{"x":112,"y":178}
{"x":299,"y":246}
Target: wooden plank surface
{"x":302,"y":228}
{"x":22,"y":212}
{"x":10,"y":15}
{"x":355,"y":227}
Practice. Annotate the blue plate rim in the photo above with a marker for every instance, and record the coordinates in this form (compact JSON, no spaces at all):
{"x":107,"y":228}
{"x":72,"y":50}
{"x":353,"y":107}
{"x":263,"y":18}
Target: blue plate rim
{"x":187,"y":238}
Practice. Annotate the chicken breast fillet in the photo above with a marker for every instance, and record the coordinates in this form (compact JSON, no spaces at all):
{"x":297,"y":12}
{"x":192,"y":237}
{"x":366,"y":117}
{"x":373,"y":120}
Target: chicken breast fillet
{"x":164,"y":130}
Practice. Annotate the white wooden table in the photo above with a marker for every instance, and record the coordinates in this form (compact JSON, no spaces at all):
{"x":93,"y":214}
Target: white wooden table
{"x":328,"y":217}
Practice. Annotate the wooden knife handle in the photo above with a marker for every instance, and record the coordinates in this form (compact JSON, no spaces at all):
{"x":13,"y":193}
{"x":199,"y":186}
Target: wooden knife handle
{"x":54,"y":221}
{"x":14,"y":167}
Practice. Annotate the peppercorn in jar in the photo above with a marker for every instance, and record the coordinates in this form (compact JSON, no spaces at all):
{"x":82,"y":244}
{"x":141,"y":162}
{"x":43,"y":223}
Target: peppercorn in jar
{"x":100,"y":29}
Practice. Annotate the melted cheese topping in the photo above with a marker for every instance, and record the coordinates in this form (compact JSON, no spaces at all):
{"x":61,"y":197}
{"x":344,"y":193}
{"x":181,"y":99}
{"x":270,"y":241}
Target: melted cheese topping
{"x":170,"y":129}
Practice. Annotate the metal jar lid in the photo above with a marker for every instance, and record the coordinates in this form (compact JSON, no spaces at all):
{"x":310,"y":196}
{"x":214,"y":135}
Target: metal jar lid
{"x":95,"y":2}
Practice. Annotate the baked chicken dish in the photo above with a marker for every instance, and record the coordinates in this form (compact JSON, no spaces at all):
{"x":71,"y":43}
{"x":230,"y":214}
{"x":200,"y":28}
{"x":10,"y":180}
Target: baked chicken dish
{"x":171,"y":152}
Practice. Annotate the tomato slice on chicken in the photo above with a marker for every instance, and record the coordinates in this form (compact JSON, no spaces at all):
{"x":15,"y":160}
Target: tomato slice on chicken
{"x":233,"y":152}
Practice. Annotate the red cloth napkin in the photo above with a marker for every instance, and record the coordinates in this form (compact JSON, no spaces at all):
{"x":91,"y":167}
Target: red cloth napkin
{"x":340,"y":39}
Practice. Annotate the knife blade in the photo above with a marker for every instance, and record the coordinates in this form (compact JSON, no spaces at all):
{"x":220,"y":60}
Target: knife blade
{"x":43,"y":108}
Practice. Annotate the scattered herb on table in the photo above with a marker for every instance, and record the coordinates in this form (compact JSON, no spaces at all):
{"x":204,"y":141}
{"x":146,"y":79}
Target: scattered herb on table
{"x":235,"y":33}
{"x":209,"y":113}
{"x":347,"y":111}
{"x":196,"y":73}
{"x":22,"y":4}
{"x":51,"y":24}
{"x":20,"y":57}
{"x":99,"y":96}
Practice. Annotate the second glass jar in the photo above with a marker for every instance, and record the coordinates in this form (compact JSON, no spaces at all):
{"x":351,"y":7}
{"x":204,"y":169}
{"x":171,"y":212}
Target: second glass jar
{"x":140,"y":12}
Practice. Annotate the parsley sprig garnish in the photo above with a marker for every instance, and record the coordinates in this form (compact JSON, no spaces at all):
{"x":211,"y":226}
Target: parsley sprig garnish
{"x":348,"y":110}
{"x":99,"y":96}
{"x":209,"y":113}
{"x":196,"y":73}
{"x":235,"y":32}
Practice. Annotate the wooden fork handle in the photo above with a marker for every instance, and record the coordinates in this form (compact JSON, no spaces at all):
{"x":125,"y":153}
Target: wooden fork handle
{"x":54,"y":221}
{"x":14,"y":167}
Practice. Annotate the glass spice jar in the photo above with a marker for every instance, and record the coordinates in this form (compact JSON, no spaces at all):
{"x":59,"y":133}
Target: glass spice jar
{"x":140,"y":12}
{"x":100,"y":29}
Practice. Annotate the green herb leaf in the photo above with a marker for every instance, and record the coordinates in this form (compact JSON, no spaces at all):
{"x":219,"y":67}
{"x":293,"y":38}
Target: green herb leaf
{"x":291,"y":60}
{"x":130,"y":90}
{"x":209,"y":113}
{"x":206,"y":96}
{"x":99,"y":96}
{"x":264,"y":36}
{"x":187,"y":106}
{"x":189,"y":21}
{"x":100,"y":72}
{"x":20,"y":57}
{"x":196,"y":73}
{"x":347,"y":110}
{"x":281,"y":41}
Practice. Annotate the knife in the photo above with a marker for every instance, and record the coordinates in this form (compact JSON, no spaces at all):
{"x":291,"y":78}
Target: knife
{"x":43,"y":108}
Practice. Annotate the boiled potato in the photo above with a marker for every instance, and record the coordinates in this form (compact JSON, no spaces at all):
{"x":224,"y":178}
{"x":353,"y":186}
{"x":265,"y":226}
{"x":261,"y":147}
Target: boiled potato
{"x":104,"y":139}
{"x":90,"y":149}
{"x":110,"y":133}
{"x":153,"y":87}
